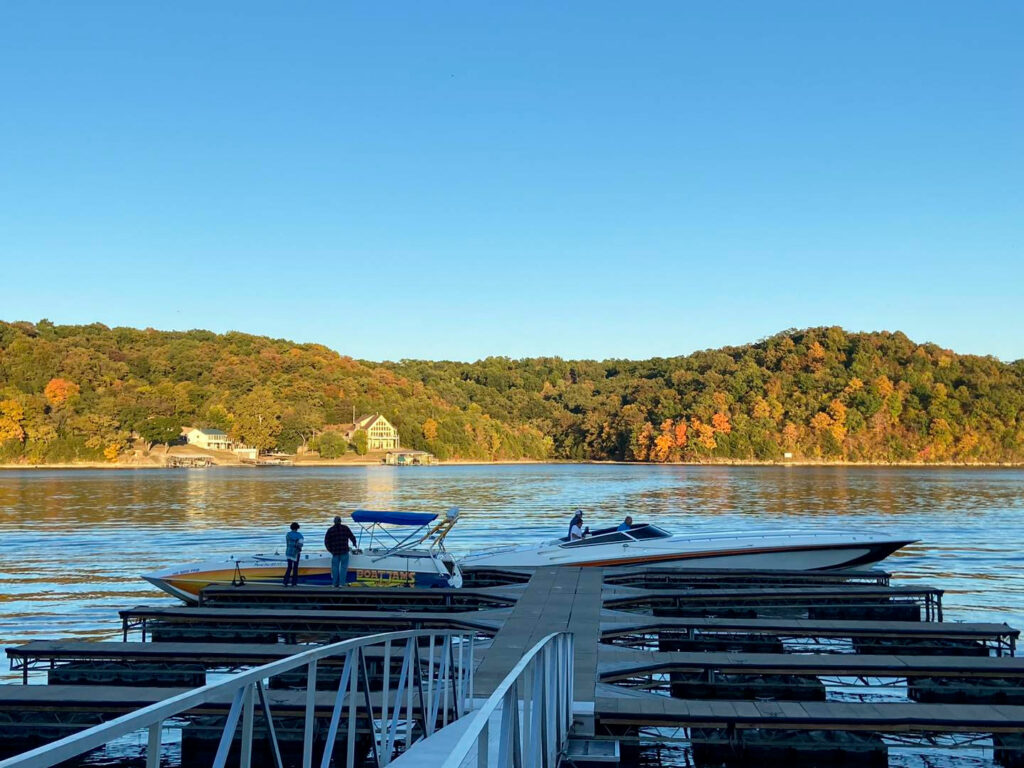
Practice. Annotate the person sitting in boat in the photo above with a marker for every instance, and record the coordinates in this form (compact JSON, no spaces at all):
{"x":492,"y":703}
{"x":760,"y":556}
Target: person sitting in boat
{"x":626,"y":524}
{"x":293,"y":548}
{"x":576,"y":529}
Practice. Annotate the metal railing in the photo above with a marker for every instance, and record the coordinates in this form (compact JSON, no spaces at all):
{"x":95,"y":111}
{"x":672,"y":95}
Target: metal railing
{"x":434,"y":686}
{"x":531,"y":709}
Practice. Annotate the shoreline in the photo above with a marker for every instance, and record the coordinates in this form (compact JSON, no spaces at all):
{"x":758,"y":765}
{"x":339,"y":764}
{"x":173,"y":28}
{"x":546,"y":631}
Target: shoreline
{"x":546,"y":462}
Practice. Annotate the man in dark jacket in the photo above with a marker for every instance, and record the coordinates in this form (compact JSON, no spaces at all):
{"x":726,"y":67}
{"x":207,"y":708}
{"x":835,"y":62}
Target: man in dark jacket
{"x":336,"y":541}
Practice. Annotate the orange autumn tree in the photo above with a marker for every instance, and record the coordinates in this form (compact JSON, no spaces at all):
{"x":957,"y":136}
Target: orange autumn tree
{"x":761,"y":409}
{"x":11,"y":417}
{"x":430,"y":429}
{"x":720,"y":421}
{"x":705,"y":434}
{"x":59,"y":391}
{"x":838,"y":413}
{"x":680,"y":434}
{"x":665,"y":443}
{"x":789,"y":436}
{"x":643,"y":442}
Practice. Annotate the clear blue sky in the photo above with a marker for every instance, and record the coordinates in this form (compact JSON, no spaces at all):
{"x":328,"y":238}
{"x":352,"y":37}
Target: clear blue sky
{"x":587,"y":180}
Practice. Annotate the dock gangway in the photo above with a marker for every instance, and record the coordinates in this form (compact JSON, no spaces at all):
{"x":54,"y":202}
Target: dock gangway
{"x":425,"y":701}
{"x":525,"y":722}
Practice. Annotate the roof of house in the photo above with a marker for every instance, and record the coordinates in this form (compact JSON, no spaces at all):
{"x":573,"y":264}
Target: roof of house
{"x":365,"y":422}
{"x":211,"y":432}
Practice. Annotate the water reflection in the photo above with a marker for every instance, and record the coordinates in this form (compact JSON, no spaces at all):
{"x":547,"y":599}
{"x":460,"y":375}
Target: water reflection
{"x":73,"y":542}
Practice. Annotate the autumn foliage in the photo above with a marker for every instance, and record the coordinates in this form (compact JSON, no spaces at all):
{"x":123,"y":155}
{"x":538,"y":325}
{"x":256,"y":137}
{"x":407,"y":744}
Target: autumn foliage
{"x":59,"y":391}
{"x":70,"y":392}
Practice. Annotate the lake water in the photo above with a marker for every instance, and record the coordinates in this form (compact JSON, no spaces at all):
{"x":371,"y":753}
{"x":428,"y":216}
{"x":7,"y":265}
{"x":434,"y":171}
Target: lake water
{"x":73,"y":541}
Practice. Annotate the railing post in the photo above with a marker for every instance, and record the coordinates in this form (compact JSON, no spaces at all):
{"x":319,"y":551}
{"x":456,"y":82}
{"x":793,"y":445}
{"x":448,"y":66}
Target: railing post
{"x":153,"y":745}
{"x":410,"y":649}
{"x":448,"y":673}
{"x":350,"y":736}
{"x":307,"y":735}
{"x":228,"y":735}
{"x":483,"y":751}
{"x":429,"y":721}
{"x":389,"y":735}
{"x":385,"y":691}
{"x":332,"y":730}
{"x":245,"y":760}
{"x":472,"y":666}
{"x":269,"y":719}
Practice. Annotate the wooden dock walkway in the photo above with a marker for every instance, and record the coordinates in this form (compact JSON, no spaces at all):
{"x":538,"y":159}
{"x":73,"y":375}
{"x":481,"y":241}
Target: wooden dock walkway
{"x":622,"y":663}
{"x":557,"y":599}
{"x":635,"y":630}
{"x":616,"y":707}
{"x":355,"y":598}
{"x":884,"y":600}
{"x":310,"y":624}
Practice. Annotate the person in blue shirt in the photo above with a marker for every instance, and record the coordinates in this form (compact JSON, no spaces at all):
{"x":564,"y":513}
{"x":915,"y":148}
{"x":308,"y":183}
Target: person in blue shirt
{"x":626,"y":524}
{"x":292,"y":551}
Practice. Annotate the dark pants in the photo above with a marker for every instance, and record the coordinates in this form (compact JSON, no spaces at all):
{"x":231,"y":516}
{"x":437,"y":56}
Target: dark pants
{"x":291,"y":572}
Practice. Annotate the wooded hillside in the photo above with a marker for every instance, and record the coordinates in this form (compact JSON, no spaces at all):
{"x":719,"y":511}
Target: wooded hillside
{"x":85,"y":392}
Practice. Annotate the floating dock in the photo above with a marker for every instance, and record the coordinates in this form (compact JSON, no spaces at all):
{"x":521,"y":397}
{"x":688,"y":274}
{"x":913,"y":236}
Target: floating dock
{"x":741,"y":667}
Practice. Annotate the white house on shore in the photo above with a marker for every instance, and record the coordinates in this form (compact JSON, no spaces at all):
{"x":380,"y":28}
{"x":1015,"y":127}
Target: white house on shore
{"x":209,"y":439}
{"x":381,"y":434}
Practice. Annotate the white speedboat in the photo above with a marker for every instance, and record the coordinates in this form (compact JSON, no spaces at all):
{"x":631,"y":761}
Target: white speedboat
{"x":415,"y":559}
{"x":654,"y":546}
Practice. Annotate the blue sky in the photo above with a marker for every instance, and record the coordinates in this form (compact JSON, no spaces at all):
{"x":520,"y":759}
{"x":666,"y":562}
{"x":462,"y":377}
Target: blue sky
{"x":457,"y":180}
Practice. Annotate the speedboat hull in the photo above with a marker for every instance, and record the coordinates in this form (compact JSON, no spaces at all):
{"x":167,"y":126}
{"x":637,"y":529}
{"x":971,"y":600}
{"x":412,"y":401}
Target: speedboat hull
{"x":781,"y":550}
{"x":368,"y":569}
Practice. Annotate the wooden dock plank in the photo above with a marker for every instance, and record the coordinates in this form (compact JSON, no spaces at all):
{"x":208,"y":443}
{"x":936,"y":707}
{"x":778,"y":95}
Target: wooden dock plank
{"x":884,"y":717}
{"x":621,"y":622}
{"x":619,"y":662}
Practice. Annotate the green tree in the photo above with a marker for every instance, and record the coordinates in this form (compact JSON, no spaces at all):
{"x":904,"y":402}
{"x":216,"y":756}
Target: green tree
{"x":257,"y":420}
{"x":333,"y":445}
{"x":160,"y":429}
{"x":361,"y":442}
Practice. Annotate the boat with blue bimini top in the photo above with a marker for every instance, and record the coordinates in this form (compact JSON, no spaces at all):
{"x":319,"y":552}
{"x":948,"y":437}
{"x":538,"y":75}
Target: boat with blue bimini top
{"x":396,"y":549}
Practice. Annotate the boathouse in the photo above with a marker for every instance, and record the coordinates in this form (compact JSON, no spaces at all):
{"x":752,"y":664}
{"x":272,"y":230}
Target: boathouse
{"x":405,"y":458}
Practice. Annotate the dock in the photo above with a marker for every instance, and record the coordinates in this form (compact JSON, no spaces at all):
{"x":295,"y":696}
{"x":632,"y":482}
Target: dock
{"x":750,"y":667}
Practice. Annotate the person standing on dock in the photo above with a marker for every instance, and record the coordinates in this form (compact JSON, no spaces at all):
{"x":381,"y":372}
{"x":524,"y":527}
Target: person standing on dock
{"x":293,"y":549}
{"x":336,"y":542}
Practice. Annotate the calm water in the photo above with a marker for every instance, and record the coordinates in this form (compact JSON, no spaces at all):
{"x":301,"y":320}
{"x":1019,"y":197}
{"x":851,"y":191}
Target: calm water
{"x":73,"y":542}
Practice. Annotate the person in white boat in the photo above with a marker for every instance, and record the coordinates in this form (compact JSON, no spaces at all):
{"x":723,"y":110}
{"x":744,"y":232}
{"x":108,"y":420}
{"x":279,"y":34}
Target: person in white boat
{"x":626,"y":524}
{"x":576,"y":529}
{"x":293,"y":549}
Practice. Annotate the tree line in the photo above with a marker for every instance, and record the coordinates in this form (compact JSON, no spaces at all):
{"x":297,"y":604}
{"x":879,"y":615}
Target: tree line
{"x":89,"y":392}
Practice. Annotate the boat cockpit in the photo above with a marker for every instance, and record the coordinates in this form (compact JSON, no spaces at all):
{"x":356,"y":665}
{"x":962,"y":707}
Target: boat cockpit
{"x":615,"y":536}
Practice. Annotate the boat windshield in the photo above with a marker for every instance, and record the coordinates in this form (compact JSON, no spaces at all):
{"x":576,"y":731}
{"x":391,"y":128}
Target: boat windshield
{"x":615,"y":536}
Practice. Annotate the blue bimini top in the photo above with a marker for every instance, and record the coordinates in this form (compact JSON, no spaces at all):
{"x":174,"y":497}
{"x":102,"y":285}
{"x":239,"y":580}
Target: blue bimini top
{"x":392,"y":518}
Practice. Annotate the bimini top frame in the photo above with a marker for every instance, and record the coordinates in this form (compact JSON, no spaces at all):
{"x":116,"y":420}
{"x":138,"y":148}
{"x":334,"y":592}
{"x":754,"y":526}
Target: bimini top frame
{"x":372,"y":523}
